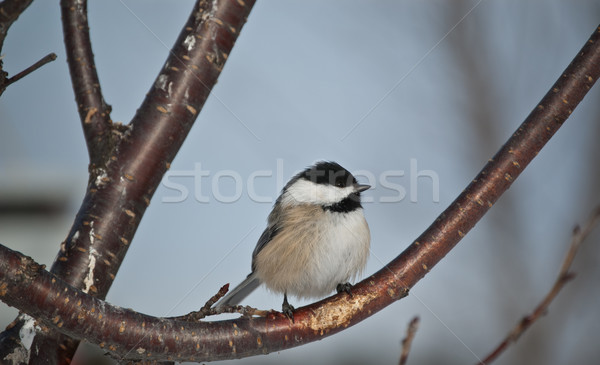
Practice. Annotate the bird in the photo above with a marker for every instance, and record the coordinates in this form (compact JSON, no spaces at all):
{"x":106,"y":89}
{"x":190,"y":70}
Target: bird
{"x":316,"y":239}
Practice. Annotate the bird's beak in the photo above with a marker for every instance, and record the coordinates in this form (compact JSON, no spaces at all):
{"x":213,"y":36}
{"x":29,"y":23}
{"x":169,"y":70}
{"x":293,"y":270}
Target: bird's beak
{"x":360,"y":188}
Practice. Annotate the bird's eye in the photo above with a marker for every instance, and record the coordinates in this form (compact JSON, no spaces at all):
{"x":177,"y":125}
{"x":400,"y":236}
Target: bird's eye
{"x":339,"y":184}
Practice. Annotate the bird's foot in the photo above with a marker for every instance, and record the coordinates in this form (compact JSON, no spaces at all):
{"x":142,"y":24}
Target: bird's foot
{"x":344,"y":287}
{"x":287,"y":309}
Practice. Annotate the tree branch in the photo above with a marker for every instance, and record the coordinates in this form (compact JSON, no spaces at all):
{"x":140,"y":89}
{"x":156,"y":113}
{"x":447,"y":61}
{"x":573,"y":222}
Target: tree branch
{"x":123,"y":177}
{"x":44,"y":60}
{"x":10,"y":10}
{"x":209,"y":310}
{"x":94,"y":113}
{"x":137,"y":336}
{"x":407,"y":341}
{"x":9,"y":81}
{"x":564,"y":276}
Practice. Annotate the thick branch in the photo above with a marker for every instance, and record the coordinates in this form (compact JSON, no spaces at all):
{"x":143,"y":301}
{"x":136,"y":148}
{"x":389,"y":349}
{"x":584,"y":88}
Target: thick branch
{"x":93,"y":110}
{"x":10,"y":10}
{"x":134,"y":335}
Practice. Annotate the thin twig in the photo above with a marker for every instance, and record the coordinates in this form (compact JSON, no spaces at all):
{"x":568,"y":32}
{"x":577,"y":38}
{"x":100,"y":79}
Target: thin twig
{"x":411,"y":330}
{"x":215,"y":298}
{"x":46,"y":59}
{"x":208,"y":310}
{"x":564,"y":276}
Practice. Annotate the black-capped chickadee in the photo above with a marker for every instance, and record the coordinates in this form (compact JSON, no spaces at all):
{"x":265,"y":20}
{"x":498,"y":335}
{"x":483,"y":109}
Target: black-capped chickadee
{"x":316,"y":239}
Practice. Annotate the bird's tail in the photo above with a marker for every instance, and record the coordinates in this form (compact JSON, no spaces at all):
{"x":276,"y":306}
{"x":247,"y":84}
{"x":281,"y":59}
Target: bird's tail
{"x":237,"y":294}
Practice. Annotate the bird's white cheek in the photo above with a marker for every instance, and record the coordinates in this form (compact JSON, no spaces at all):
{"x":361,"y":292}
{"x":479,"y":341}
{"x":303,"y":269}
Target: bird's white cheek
{"x":304,"y":191}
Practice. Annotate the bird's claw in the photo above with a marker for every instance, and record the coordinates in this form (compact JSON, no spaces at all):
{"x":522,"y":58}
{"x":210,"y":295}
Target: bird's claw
{"x":344,"y":287}
{"x":287,"y":309}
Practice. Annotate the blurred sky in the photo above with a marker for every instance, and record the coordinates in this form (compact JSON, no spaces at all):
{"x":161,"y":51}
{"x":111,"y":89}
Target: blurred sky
{"x":397,"y":88}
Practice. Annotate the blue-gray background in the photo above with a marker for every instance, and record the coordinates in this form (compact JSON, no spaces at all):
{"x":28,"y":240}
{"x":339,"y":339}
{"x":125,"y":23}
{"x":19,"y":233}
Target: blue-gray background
{"x":372,"y":85}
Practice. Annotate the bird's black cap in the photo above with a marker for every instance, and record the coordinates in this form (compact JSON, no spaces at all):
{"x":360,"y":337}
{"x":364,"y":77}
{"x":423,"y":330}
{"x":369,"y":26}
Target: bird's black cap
{"x":328,"y":172}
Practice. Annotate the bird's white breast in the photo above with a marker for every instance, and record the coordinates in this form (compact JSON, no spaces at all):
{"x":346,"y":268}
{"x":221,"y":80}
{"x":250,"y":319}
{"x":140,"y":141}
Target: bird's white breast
{"x":343,"y":252}
{"x":325,"y":249}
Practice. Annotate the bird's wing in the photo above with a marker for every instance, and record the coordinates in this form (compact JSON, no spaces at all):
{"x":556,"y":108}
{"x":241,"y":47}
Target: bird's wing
{"x":265,"y":238}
